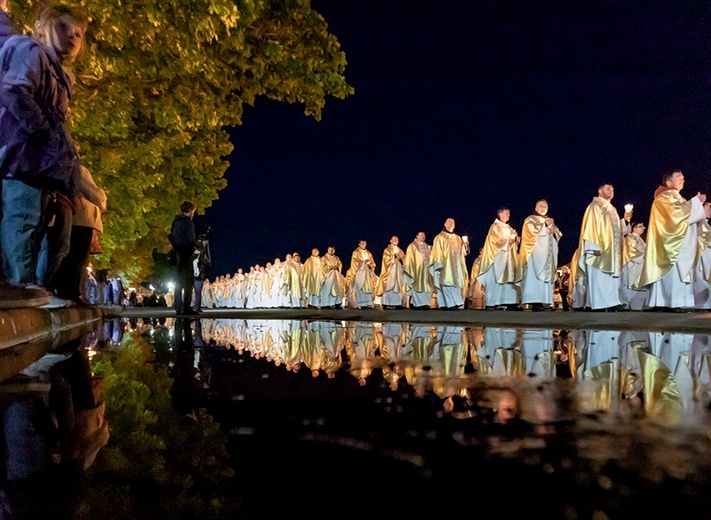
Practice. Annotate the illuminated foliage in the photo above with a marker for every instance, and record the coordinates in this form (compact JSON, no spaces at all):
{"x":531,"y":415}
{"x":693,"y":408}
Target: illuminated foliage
{"x":160,"y":85}
{"x":155,"y":465}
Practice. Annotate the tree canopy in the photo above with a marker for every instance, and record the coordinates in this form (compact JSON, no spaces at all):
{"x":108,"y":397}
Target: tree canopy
{"x":159,"y":87}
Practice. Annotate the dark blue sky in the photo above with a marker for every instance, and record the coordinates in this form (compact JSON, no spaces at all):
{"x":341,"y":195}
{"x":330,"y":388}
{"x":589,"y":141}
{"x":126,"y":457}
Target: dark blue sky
{"x":463,"y":106}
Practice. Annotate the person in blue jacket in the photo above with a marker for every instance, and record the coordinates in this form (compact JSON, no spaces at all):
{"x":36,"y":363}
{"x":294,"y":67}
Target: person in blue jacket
{"x":38,"y":158}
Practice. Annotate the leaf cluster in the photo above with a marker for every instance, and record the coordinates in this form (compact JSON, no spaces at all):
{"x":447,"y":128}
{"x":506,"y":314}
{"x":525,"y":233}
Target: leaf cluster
{"x":159,"y":87}
{"x":155,"y":465}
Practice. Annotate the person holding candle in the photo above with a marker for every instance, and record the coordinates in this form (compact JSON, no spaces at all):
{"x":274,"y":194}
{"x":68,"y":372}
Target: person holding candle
{"x":632,"y":260}
{"x":448,"y":267}
{"x":499,"y":260}
{"x":675,"y":238}
{"x":538,"y":258}
{"x":597,"y":262}
{"x":391,"y":284}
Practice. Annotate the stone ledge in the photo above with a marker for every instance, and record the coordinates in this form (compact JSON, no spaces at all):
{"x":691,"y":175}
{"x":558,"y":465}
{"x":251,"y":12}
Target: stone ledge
{"x":28,"y":334}
{"x":23,"y":325}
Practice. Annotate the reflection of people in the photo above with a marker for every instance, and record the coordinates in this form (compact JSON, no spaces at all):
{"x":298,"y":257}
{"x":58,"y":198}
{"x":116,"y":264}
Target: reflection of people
{"x":538,"y":258}
{"x":418,"y":280}
{"x":632,"y":260}
{"x":448,"y":267}
{"x":497,"y":272}
{"x":504,"y":404}
{"x":184,"y":384}
{"x":672,"y":247}
{"x":597,"y":262}
{"x":69,"y":428}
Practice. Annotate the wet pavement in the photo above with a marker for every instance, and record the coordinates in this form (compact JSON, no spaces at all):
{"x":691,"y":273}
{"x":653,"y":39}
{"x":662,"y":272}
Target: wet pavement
{"x":476,"y":421}
{"x":342,"y":414}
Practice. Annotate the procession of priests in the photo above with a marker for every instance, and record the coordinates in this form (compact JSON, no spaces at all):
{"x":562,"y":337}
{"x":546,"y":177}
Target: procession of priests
{"x":616,"y":266}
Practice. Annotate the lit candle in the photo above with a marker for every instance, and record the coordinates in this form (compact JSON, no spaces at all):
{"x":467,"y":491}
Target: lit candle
{"x":628,"y":208}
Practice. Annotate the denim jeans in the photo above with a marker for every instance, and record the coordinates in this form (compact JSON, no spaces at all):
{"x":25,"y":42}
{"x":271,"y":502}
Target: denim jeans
{"x":198,"y":294}
{"x":24,"y":223}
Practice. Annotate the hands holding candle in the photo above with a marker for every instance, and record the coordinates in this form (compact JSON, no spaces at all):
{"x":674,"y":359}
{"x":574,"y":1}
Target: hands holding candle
{"x":628,"y":212}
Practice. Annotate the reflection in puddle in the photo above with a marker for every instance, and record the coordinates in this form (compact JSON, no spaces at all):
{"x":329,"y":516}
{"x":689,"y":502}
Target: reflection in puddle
{"x":663,"y":375}
{"x":614,"y":421}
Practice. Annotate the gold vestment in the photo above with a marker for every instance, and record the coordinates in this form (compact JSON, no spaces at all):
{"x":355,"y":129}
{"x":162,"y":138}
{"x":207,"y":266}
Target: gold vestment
{"x":668,"y":223}
{"x":530,"y":232}
{"x":312,"y":276}
{"x":449,"y":250}
{"x":416,"y":266}
{"x":390,"y":256}
{"x":329,"y":264}
{"x":360,"y":258}
{"x":601,"y":226}
{"x":498,"y":237}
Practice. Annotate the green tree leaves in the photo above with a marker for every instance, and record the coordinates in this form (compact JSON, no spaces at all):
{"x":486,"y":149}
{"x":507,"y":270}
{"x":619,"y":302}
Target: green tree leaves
{"x":159,"y":86}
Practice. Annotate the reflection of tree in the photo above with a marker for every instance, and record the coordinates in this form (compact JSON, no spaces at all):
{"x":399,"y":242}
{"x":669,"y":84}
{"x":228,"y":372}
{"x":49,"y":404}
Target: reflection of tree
{"x":155,"y":466}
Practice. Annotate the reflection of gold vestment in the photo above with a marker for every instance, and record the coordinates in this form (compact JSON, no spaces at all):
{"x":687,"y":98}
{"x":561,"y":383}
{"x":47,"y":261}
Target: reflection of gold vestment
{"x":498,"y":237}
{"x":668,"y":223}
{"x":448,"y":250}
{"x":417,"y":261}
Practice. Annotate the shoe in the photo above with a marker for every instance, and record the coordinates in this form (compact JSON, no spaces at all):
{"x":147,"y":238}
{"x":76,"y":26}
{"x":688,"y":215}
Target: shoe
{"x":55,"y":302}
{"x":656,"y":309}
{"x":191,"y":312}
{"x":617,"y":308}
{"x":682,"y":310}
{"x":17,"y":297}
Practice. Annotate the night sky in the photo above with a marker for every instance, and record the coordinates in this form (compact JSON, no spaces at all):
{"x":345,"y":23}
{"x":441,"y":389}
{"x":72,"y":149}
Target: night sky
{"x":461,"y":107}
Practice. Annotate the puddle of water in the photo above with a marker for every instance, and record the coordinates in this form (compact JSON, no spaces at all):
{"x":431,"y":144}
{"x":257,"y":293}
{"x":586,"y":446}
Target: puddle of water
{"x":204,"y":415}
